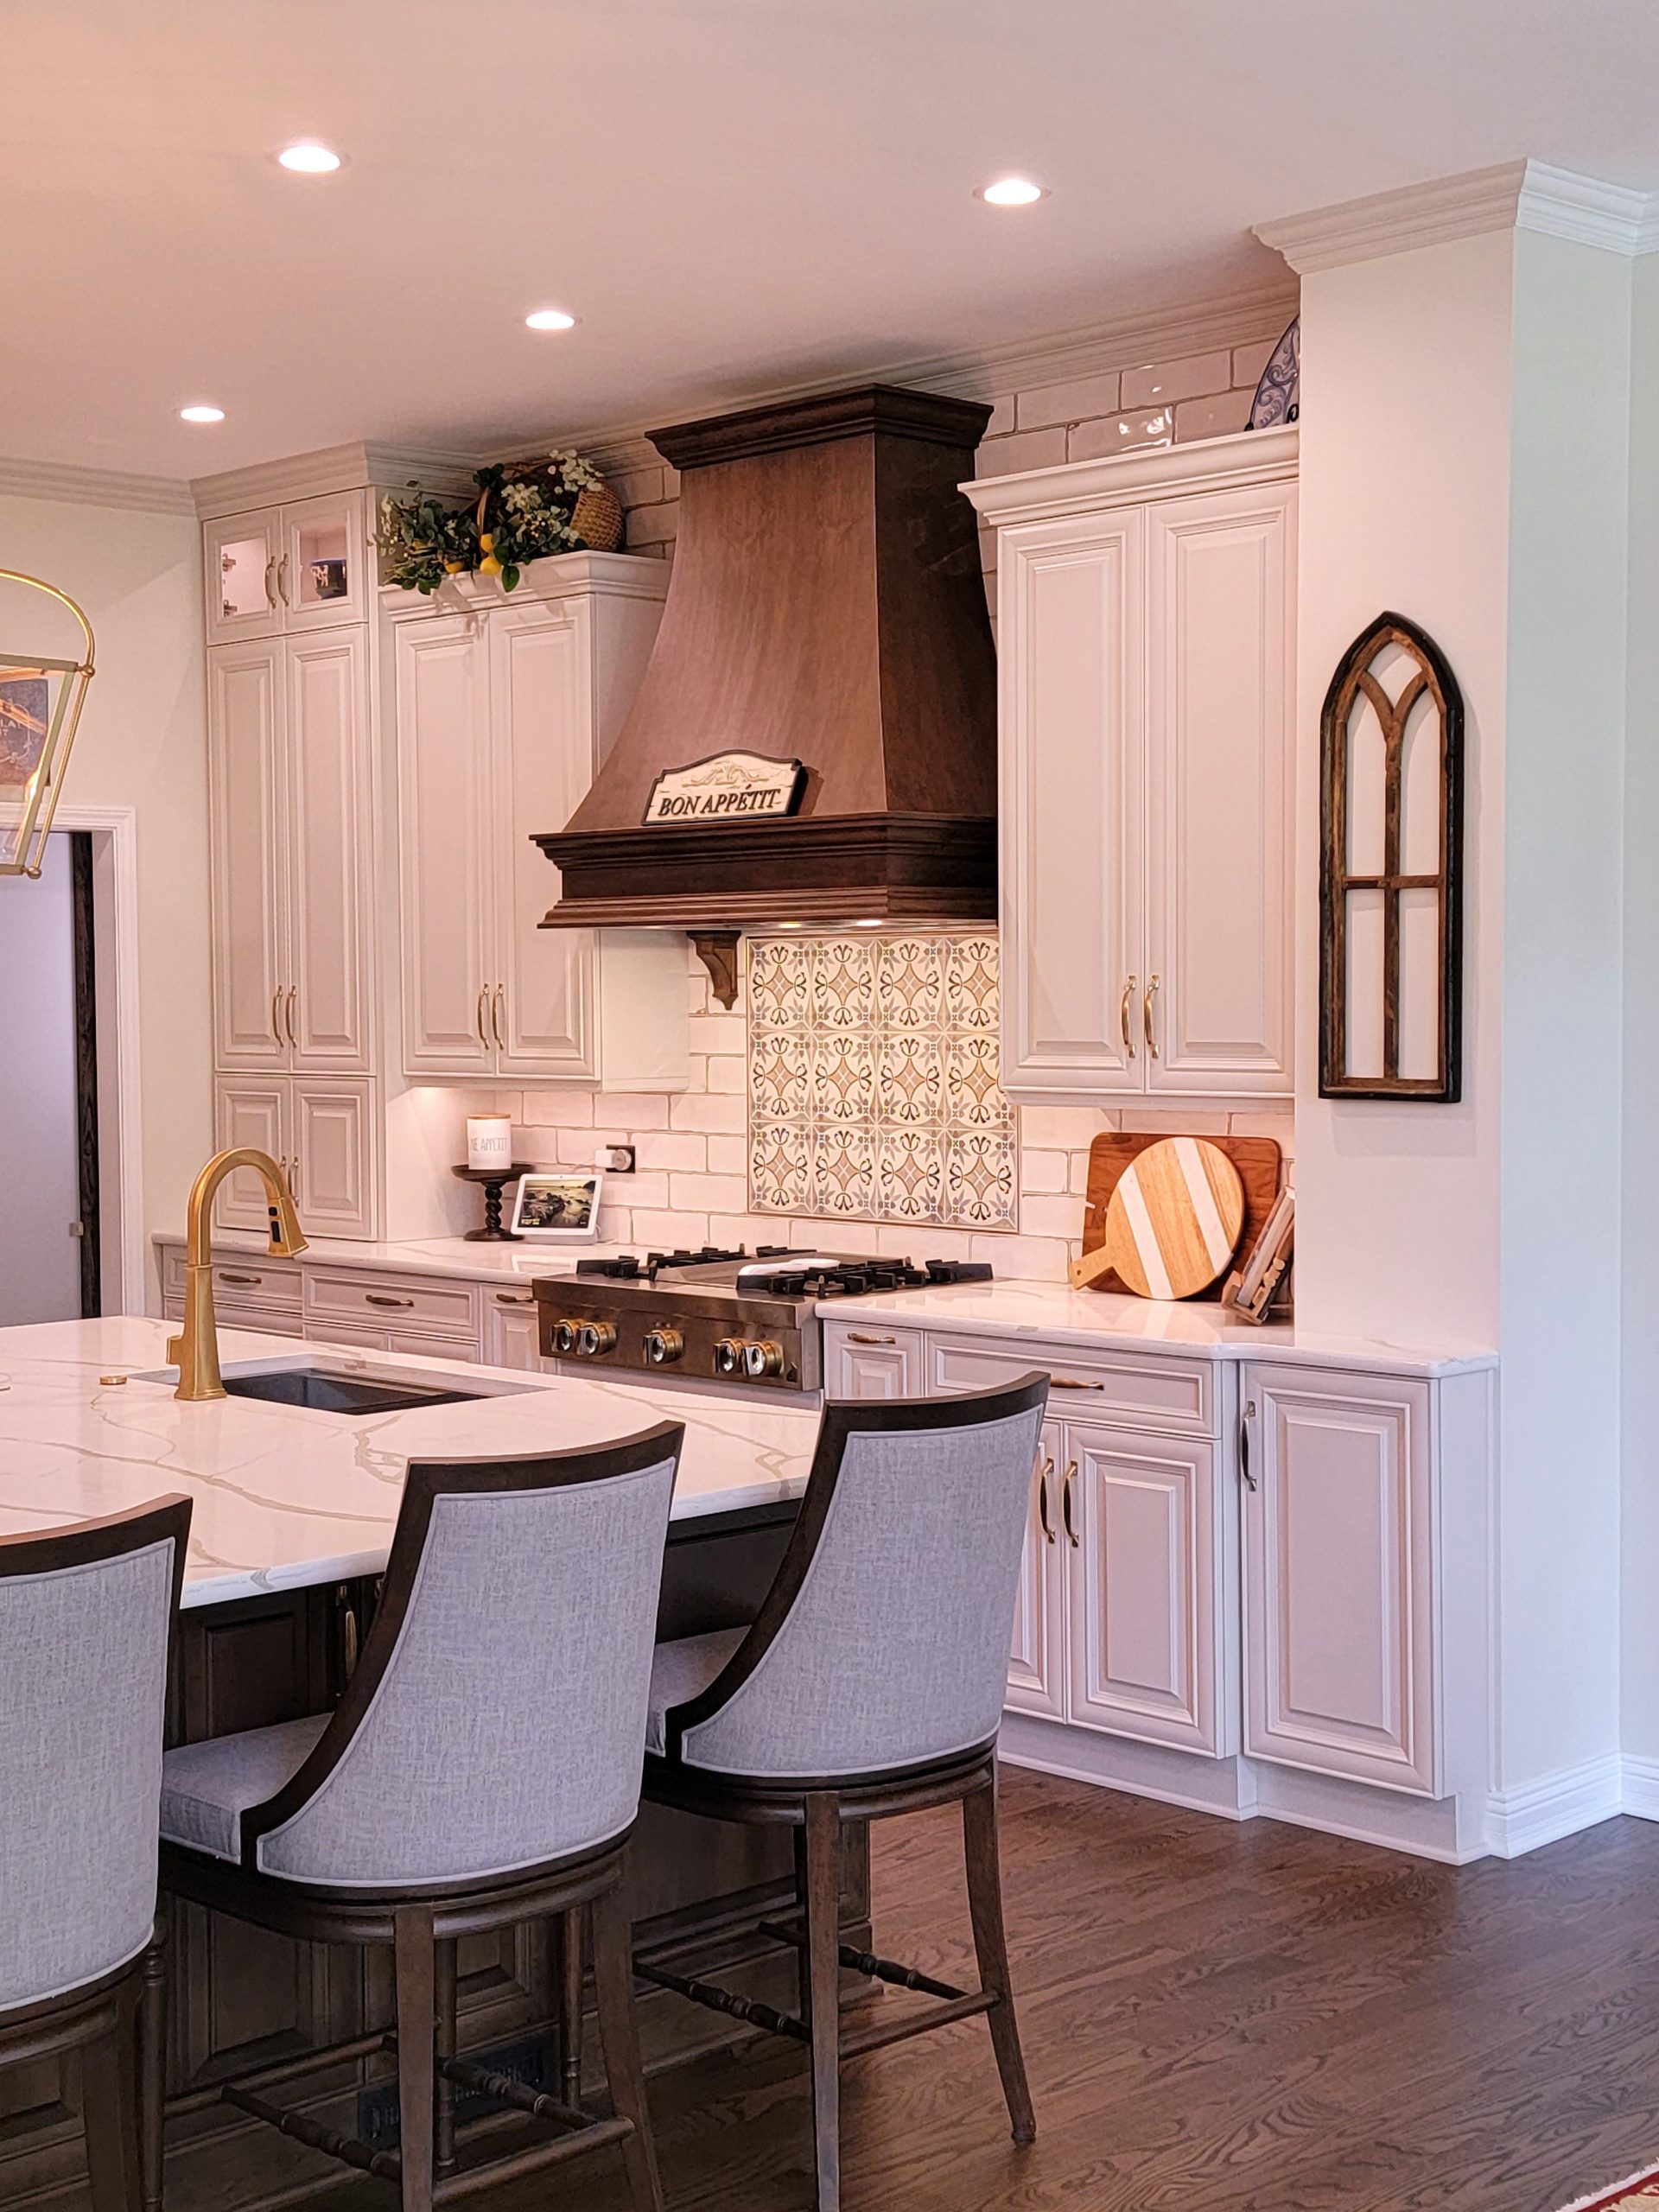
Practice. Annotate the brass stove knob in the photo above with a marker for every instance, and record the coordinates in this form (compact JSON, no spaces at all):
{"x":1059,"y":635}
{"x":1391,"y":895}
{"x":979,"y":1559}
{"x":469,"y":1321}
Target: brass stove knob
{"x":564,"y":1336}
{"x":729,"y":1356}
{"x":593,"y":1337}
{"x":763,"y":1359}
{"x":664,"y":1346}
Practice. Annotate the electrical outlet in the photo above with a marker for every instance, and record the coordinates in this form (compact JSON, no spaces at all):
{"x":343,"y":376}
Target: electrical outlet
{"x":615,"y":1158}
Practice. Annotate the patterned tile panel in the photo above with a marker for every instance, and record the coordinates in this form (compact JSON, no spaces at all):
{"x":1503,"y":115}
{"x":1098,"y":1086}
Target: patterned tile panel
{"x":872,"y":1079}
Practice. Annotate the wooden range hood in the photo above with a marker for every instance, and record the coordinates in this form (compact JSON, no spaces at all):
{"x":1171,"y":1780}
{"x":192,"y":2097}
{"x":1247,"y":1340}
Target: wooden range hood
{"x":826,"y":605}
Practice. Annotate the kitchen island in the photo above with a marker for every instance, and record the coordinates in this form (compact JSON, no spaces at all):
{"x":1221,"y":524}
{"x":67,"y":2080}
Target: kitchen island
{"x":293,"y":1511}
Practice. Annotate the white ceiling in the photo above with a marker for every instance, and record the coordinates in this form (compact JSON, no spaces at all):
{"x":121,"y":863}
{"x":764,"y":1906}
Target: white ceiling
{"x":733,"y":195}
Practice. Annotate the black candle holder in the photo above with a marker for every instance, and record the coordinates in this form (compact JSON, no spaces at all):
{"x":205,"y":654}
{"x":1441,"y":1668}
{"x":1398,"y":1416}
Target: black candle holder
{"x":492,"y":1178}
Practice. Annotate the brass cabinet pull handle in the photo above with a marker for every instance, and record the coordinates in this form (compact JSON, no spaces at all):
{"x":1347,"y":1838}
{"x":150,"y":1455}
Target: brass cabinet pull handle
{"x":379,"y":1298}
{"x":1044,"y":1522}
{"x":271,"y":599}
{"x":282,"y":581}
{"x":856,"y":1336}
{"x":351,"y":1641}
{"x":277,"y":1015}
{"x":292,"y":1171}
{"x":1072,"y":1382}
{"x":508,"y":1298}
{"x":478,"y":1015}
{"x":287,"y":1011}
{"x":225,"y":1275}
{"x":1245,"y":1419}
{"x":1146,"y":1017}
{"x":495,"y":1013}
{"x":1124,"y":1017}
{"x":1066,"y":1502}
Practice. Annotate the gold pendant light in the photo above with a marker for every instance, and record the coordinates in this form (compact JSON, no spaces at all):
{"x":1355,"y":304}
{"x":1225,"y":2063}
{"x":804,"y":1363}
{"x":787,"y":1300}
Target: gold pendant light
{"x":37,"y":728}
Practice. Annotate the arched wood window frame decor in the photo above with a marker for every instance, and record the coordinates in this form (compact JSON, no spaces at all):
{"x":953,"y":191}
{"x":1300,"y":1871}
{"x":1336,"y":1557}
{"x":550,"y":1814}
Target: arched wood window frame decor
{"x":1355,"y":679}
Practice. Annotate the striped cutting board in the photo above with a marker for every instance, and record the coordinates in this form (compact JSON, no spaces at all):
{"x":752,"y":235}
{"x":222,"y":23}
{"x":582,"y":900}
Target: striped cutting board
{"x":1174,"y":1219}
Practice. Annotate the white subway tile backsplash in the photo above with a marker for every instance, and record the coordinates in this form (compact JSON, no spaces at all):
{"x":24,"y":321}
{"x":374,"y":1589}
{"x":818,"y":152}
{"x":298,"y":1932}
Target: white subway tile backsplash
{"x":1043,"y":1170}
{"x":671,"y":1148}
{"x":1213,"y":418}
{"x":619,"y":1109}
{"x":664,"y":1231}
{"x":726,"y":1073}
{"x":1027,"y":449}
{"x":1060,"y":1128}
{"x":1161,"y":383}
{"x":1043,"y":1213}
{"x":1073,"y":402}
{"x":705,"y":1111}
{"x":728,"y":1154}
{"x":1147,"y":426}
{"x":708,"y":1193}
{"x":559,"y":1110}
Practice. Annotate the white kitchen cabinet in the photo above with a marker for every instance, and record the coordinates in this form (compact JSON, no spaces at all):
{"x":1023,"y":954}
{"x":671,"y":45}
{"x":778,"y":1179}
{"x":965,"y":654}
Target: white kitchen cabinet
{"x":1341,"y":1652}
{"x":1145,"y":681}
{"x":321,"y":1131}
{"x":303,"y":566}
{"x":504,"y":709}
{"x":290,"y":784}
{"x":872,"y":1363}
{"x":1139,"y":1516}
{"x":511,"y":1335}
{"x":1037,"y":1656}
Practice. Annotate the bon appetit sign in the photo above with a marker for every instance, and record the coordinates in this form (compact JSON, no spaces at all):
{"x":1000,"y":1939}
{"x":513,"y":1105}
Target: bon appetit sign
{"x":731,"y":787}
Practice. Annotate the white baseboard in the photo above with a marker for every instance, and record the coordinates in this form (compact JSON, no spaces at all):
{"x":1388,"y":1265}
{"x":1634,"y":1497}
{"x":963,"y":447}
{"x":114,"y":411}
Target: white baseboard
{"x":1543,"y":1812}
{"x":1640,"y":1792}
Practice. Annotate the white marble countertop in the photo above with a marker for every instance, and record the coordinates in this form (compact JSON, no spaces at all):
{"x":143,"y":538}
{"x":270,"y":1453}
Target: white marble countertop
{"x":1059,"y":1314}
{"x":286,"y":1496}
{"x":430,"y":1256}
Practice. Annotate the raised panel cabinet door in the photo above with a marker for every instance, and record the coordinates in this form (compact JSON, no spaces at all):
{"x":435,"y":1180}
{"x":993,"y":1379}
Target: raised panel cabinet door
{"x":247,"y":1111}
{"x":328,"y":1008}
{"x":1036,"y":1656}
{"x":873,"y":1362}
{"x":239,"y":558}
{"x":325,"y":564}
{"x":510,"y":1331}
{"x":247,"y":855}
{"x":542,"y":986}
{"x":1140,"y":1522}
{"x":334,"y":1176}
{"x":1340,"y":1644}
{"x":445,"y":854}
{"x":1215,"y":1003}
{"x":1070,"y":680}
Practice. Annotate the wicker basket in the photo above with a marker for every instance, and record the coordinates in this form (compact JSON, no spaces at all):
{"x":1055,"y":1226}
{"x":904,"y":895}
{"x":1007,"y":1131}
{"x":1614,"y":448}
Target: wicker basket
{"x":597,"y":518}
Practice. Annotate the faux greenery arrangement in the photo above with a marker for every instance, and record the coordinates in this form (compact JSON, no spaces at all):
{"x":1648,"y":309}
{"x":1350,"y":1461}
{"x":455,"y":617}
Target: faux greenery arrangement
{"x":524,"y":510}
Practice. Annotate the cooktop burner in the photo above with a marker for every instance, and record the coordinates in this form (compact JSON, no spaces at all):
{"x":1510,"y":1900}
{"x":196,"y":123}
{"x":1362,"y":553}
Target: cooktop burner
{"x":815,"y":1277}
{"x":628,"y":1267}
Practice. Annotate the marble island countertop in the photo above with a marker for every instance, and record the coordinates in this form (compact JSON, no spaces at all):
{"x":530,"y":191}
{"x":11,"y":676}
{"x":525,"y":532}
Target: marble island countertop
{"x":285,"y":1496}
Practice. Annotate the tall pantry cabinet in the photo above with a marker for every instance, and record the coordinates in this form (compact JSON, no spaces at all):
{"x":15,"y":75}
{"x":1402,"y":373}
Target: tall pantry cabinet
{"x":378,"y":764}
{"x":1146,"y":656}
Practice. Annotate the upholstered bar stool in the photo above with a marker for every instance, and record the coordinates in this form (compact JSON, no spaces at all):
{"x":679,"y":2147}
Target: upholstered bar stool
{"x":482,"y":1768}
{"x":85,"y":1615}
{"x":870,"y":1684}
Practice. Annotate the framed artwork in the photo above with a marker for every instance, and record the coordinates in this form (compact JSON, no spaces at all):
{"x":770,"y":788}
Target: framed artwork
{"x":559,"y":1209}
{"x":1391,"y":870}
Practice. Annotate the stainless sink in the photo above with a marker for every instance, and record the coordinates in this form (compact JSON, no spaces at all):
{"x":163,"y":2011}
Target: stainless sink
{"x":328,"y":1392}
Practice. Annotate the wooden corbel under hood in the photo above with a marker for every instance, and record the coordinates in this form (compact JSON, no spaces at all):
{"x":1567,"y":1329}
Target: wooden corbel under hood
{"x":826,"y":605}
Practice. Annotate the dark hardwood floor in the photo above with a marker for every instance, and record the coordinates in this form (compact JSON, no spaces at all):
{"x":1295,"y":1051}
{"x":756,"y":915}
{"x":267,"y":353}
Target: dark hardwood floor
{"x":1239,"y":2019}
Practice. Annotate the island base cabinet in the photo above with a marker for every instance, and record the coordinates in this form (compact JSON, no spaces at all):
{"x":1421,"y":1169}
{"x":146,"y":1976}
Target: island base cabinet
{"x":1340,"y":1606}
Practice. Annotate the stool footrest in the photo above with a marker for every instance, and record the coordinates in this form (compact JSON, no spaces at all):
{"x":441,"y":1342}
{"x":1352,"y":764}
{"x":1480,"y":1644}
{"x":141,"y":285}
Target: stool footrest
{"x":919,"y":2024}
{"x":710,"y":1993}
{"x":901,"y":1977}
{"x":502,"y":2089}
{"x":386,"y":2164}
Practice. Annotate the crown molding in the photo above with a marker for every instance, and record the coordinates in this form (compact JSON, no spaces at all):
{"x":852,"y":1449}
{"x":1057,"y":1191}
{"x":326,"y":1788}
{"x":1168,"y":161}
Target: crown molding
{"x":1246,"y":318}
{"x":363,"y":463}
{"x":1526,"y":195}
{"x":95,"y":488}
{"x":1242,"y":457}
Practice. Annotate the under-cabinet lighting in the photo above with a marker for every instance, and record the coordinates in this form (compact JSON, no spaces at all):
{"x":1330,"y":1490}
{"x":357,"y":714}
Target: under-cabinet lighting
{"x":201,"y":413}
{"x":1012,"y":192}
{"x":308,"y":158}
{"x":549,"y":319}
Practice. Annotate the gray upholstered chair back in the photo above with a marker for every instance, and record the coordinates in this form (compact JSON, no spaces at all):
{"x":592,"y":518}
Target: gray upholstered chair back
{"x":86,"y":1614}
{"x":884,"y":1642}
{"x":497,"y":1717}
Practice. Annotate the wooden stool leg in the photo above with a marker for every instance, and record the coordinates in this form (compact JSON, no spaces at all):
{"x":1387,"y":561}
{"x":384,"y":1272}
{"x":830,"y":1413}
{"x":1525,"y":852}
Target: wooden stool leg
{"x":414,"y":1954}
{"x":618,"y":2035}
{"x":152,"y":2066}
{"x":109,"y":2079}
{"x":824,"y":1986}
{"x":567,"y":1996}
{"x":444,"y":2047}
{"x":985,"y":1904}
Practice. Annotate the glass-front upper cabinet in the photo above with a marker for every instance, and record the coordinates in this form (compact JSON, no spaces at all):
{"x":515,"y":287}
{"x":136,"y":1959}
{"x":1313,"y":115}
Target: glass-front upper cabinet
{"x":301,"y":566}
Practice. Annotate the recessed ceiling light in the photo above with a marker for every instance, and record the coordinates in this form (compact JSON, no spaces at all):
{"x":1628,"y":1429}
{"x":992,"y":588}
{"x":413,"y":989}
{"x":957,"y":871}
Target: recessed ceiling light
{"x":549,"y":319}
{"x":1011,"y":192}
{"x":310,"y":158}
{"x":201,"y":413}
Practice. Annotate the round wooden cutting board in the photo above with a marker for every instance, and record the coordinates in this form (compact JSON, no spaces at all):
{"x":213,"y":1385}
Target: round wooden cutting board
{"x":1174,"y":1219}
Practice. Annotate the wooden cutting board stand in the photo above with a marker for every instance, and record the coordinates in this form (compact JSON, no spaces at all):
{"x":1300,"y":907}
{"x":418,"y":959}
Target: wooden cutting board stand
{"x":1260,"y":1169}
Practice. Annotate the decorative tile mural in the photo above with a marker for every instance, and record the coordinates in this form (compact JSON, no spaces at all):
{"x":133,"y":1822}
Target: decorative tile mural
{"x":872,"y":1090}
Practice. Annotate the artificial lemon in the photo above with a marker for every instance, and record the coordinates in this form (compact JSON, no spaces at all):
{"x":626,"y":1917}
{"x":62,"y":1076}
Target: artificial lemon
{"x":489,"y":565}
{"x":453,"y":567}
{"x":487,"y":541}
